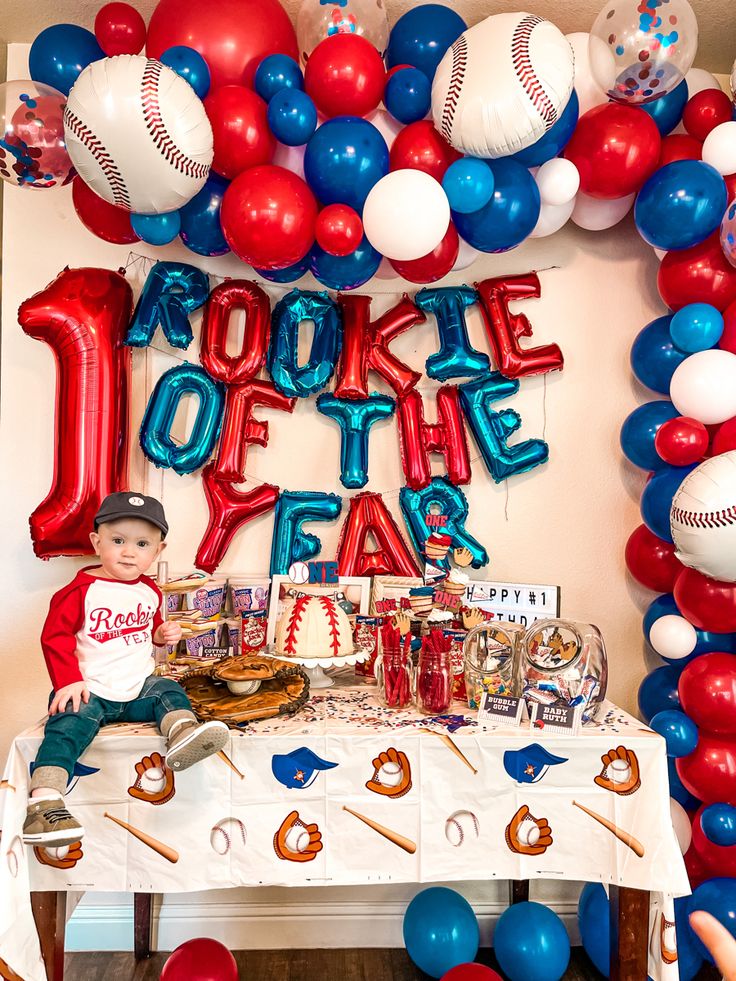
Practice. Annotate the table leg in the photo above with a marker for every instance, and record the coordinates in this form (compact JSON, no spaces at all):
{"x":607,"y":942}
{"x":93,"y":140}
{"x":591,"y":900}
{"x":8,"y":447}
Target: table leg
{"x":49,"y":912}
{"x":629,"y":921}
{"x":142,"y":921}
{"x":518,"y":891}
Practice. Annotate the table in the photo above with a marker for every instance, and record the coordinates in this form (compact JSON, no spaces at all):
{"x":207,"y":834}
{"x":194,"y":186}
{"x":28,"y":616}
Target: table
{"x":460,"y":818}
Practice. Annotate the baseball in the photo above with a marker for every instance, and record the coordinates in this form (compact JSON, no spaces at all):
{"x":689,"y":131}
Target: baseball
{"x":153,"y":780}
{"x":227,"y":834}
{"x":461,"y":827}
{"x":528,"y":832}
{"x":703,"y":518}
{"x":297,"y":839}
{"x":138,"y":134}
{"x":618,"y":771}
{"x":299,"y":573}
{"x":58,"y":853}
{"x":390,"y":774}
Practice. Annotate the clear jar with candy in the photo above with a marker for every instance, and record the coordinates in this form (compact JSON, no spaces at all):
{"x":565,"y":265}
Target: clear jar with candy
{"x":434,"y":675}
{"x":492,"y":654}
{"x":393,"y":668}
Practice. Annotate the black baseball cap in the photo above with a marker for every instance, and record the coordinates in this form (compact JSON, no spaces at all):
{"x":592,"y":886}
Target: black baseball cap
{"x":131,"y":504}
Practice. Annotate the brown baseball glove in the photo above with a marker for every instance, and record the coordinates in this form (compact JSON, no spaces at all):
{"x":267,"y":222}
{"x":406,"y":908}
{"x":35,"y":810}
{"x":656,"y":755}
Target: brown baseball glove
{"x":391,"y":774}
{"x":70,"y":855}
{"x":151,"y":772}
{"x":7,"y":972}
{"x":620,"y":773}
{"x":245,"y":688}
{"x":528,"y":835}
{"x":296,"y":841}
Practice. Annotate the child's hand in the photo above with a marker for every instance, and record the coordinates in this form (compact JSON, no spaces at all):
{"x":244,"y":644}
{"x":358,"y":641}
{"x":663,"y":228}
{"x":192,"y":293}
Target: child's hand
{"x":169,"y":633}
{"x":75,"y":693}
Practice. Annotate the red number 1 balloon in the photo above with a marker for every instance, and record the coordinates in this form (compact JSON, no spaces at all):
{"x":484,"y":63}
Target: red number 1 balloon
{"x":83,"y":316}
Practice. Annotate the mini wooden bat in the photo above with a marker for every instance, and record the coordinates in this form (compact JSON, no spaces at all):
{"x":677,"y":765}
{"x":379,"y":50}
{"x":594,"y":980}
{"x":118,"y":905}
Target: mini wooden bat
{"x":455,"y":749}
{"x":633,"y":843}
{"x":226,"y":759}
{"x":406,"y":843}
{"x":165,"y":851}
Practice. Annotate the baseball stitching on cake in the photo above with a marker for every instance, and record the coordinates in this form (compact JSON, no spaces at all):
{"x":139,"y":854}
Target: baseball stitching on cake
{"x":294,"y":619}
{"x":101,"y":156}
{"x":705,"y":519}
{"x":332,"y":620}
{"x":457,"y":76}
{"x":155,"y":125}
{"x":525,"y":70}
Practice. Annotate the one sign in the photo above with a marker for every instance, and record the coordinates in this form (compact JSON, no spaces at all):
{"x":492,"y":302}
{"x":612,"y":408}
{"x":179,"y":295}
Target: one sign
{"x":555,"y":719}
{"x":521,"y":603}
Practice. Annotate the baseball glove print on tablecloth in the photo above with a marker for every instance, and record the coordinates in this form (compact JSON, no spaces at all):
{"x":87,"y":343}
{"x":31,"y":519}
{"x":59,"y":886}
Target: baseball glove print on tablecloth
{"x":620,"y":773}
{"x":154,"y":781}
{"x":60,"y":857}
{"x":528,"y":835}
{"x":391,"y":774}
{"x":296,"y":841}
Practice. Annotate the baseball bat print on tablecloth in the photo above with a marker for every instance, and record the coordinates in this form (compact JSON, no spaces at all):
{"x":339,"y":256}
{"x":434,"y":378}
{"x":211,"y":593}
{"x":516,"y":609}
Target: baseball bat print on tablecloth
{"x":448,"y":741}
{"x":165,"y":851}
{"x":393,"y":836}
{"x":623,"y":836}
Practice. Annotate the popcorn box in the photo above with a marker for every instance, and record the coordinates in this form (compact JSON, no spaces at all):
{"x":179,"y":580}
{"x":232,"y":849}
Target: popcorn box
{"x":253,"y":632}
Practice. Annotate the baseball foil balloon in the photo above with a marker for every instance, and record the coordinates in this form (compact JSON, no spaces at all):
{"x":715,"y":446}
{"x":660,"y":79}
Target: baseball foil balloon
{"x":703,"y":518}
{"x":502,"y":85}
{"x":138,"y":134}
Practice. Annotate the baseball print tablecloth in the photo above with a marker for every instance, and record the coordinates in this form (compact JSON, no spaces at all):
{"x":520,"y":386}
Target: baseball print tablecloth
{"x":347,"y":792}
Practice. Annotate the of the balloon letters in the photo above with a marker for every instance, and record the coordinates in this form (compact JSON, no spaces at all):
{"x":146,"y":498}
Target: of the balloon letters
{"x":355,"y":419}
{"x":418,"y":438}
{"x":171,"y":292}
{"x":235,"y":294}
{"x":365,"y":346}
{"x":290,"y":543}
{"x":240,"y":429}
{"x":229,"y":510}
{"x":491,"y":429}
{"x":289,"y":376}
{"x":369,"y":516}
{"x":456,"y":358}
{"x":83,"y":316}
{"x":444,"y":500}
{"x":155,"y":434}
{"x":505,"y":328}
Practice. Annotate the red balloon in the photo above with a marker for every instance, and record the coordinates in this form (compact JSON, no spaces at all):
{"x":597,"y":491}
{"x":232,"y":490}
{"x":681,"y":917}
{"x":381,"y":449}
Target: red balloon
{"x":701,"y":274}
{"x":679,"y":146}
{"x":83,"y":316}
{"x":615,"y":148}
{"x":681,"y":441}
{"x":339,"y":229}
{"x":435,"y":264}
{"x":200,"y":960}
{"x":240,"y":130}
{"x":724,"y":438}
{"x":419,"y":146}
{"x":705,"y":111}
{"x":707,"y":691}
{"x":696,"y":870}
{"x":471,"y":972}
{"x":718,"y":860}
{"x":235,"y":294}
{"x":651,"y":560}
{"x":240,"y":429}
{"x":709,"y":772}
{"x":708,"y":604}
{"x":418,"y":438}
{"x":104,"y":220}
{"x":268,"y":217}
{"x":367,"y":517}
{"x":728,"y":337}
{"x":345,"y":76}
{"x":233,"y":36}
{"x":120,"y":29}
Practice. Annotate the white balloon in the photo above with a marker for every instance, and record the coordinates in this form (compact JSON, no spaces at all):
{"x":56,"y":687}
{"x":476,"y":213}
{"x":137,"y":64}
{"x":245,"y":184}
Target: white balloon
{"x":719,"y":148}
{"x":558,"y":181}
{"x":138,"y":134}
{"x":703,"y":386}
{"x":589,"y":92}
{"x":466,"y":256}
{"x":673,"y":636}
{"x":387,"y":126}
{"x":681,"y":824}
{"x":703,"y":518}
{"x":290,"y":158}
{"x":551,"y":219}
{"x":699,"y":80}
{"x":406,"y":214}
{"x":502,"y":85}
{"x":595,"y":214}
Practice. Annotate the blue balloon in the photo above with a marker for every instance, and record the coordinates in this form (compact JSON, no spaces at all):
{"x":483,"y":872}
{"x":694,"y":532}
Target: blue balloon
{"x":448,"y":500}
{"x":345,"y":272}
{"x":594,"y":926}
{"x":509,"y":216}
{"x":60,"y":54}
{"x":654,"y":356}
{"x":719,"y":824}
{"x":639,"y":430}
{"x":344,"y":159}
{"x":408,"y":95}
{"x":456,"y":357}
{"x":658,"y":692}
{"x":678,"y":731}
{"x":275,"y":73}
{"x":717,"y":897}
{"x":680,"y":205}
{"x":292,"y":117}
{"x":555,"y":139}
{"x":708,"y":641}
{"x":689,"y":950}
{"x":656,"y":499}
{"x":678,"y":790}
{"x":531,"y":943}
{"x":201,"y":231}
{"x":290,"y":543}
{"x":666,"y":111}
{"x":156,"y":229}
{"x":289,"y":377}
{"x":421,"y":36}
{"x":171,"y":292}
{"x":190,"y":65}
{"x":355,"y":418}
{"x":155,"y":433}
{"x":289,"y":274}
{"x":696,"y":327}
{"x":440,"y":931}
{"x":468,"y":184}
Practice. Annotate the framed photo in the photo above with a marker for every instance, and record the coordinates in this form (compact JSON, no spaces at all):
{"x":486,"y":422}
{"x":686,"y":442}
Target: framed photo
{"x":522,"y":603}
{"x":351,"y":592}
{"x":391,"y":593}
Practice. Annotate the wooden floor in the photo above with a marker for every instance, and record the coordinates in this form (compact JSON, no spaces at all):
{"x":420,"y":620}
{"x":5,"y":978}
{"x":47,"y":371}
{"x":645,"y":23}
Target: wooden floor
{"x":300,"y":965}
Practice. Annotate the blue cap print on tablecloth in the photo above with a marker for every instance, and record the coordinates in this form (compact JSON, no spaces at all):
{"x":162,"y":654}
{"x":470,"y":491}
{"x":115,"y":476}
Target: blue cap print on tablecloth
{"x":299,"y":768}
{"x":529,"y":765}
{"x":80,"y":770}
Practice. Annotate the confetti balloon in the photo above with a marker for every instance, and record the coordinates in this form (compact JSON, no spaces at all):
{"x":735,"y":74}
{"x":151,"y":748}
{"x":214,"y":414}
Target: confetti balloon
{"x":32,"y":148}
{"x":728,"y":233}
{"x":653,"y":45}
{"x":318,"y":19}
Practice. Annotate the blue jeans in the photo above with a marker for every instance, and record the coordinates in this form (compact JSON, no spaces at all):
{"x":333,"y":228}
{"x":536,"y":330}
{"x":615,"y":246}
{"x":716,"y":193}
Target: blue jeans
{"x":69,"y":733}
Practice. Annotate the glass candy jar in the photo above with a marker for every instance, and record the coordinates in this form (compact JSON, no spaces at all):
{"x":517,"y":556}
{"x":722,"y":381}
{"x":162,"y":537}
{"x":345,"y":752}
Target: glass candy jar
{"x":492,"y":653}
{"x":393,"y":667}
{"x":434,"y":675}
{"x":564,"y":662}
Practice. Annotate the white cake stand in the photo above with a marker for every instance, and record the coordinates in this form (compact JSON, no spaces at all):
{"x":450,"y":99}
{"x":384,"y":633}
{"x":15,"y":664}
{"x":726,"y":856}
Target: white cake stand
{"x":314,"y":665}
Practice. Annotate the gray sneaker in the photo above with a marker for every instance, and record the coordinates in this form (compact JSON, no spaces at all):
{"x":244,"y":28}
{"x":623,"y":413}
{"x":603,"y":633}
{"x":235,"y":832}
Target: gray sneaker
{"x":49,"y":823}
{"x":191,"y":743}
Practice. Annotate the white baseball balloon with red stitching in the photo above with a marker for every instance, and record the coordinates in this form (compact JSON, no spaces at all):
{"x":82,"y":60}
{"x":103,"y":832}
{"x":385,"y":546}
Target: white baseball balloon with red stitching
{"x":703,"y":518}
{"x":502,"y":85}
{"x":138,"y":134}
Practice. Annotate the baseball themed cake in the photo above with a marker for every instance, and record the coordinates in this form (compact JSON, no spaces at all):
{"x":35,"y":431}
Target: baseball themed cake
{"x":312,"y":627}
